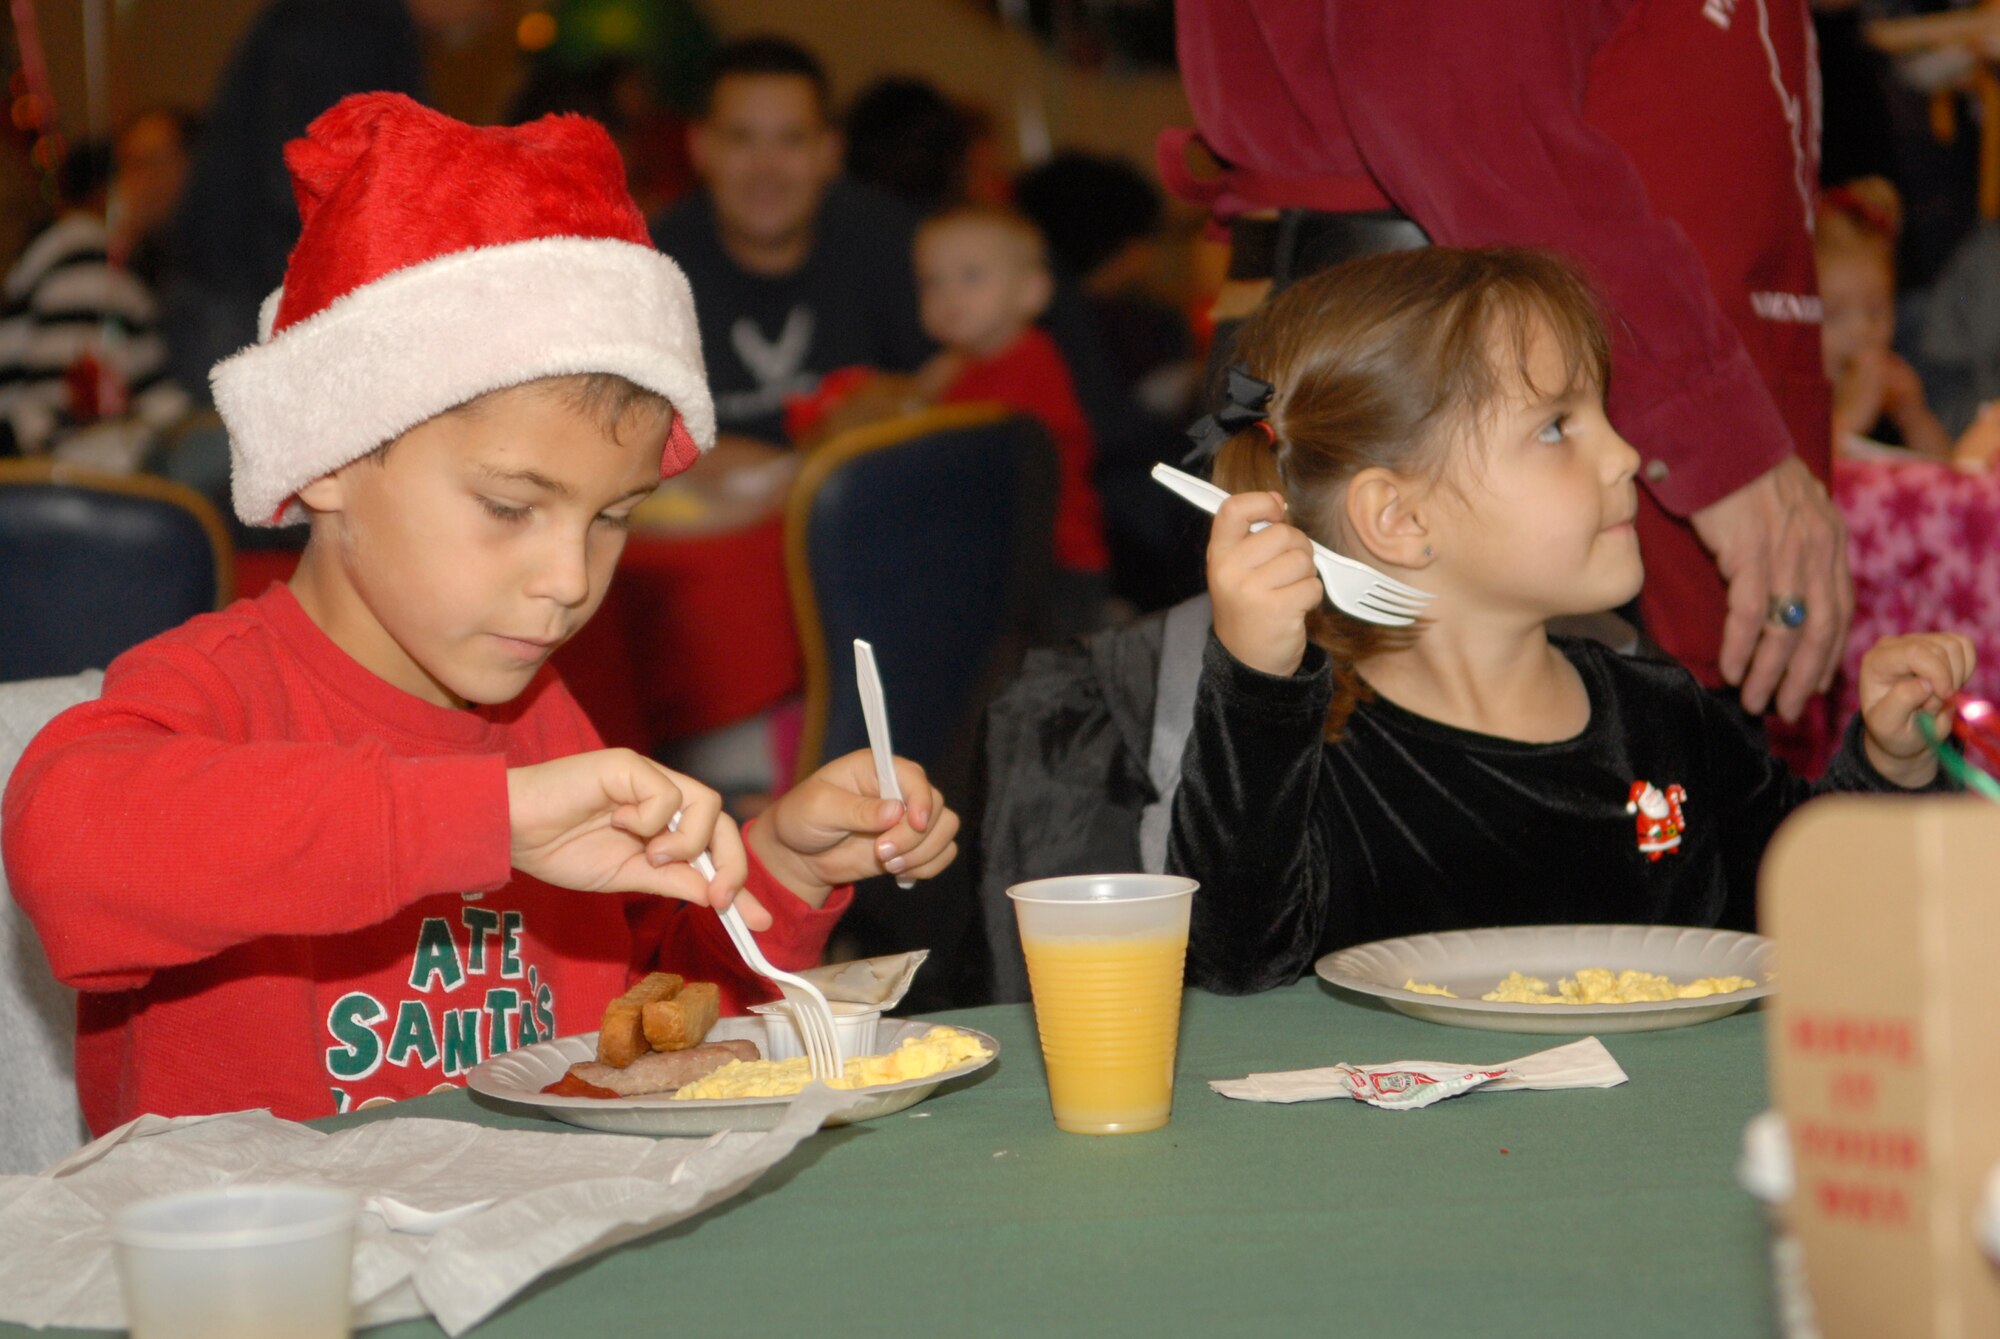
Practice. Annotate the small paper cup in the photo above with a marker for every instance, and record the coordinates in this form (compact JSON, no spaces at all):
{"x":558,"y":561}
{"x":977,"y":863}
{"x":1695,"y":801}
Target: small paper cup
{"x":855,"y":1024}
{"x":238,"y":1262}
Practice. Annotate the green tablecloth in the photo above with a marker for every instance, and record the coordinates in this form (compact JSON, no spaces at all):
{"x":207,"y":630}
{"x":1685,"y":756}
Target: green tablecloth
{"x":971,"y":1214}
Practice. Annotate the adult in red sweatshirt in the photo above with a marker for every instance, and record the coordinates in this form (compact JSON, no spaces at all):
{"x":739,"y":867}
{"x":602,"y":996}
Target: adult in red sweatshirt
{"x":1671,"y":146}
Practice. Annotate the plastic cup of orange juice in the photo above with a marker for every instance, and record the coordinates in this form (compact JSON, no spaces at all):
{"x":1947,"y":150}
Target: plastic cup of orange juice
{"x":1105,"y":954}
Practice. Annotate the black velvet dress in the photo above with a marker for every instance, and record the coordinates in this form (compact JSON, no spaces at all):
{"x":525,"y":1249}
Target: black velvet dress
{"x":1408,"y":826}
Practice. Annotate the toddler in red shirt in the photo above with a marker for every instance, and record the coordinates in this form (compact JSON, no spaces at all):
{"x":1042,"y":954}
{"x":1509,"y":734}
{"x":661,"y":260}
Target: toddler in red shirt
{"x":982,"y":280}
{"x":336,"y":845}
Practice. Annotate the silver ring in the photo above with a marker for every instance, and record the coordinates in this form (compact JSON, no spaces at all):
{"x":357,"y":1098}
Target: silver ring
{"x":1788,"y":611}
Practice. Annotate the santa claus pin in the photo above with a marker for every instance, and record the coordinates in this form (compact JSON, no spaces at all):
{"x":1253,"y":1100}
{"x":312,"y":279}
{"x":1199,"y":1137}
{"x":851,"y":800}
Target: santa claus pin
{"x":1659,"y":820}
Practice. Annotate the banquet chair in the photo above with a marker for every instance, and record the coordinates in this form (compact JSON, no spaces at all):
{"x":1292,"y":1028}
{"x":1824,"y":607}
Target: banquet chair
{"x":929,"y":536}
{"x":195,"y":452}
{"x":92,"y":564}
{"x":39,"y":1117}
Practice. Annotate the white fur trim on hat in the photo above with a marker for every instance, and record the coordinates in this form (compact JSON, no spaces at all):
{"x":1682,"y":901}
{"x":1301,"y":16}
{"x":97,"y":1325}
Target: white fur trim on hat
{"x":389,"y":355}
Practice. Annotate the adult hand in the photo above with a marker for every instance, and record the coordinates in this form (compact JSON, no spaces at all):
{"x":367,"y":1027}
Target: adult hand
{"x":1781,"y":535}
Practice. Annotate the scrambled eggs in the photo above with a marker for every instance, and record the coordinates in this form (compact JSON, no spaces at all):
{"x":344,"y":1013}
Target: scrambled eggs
{"x":1599,"y":985}
{"x":938,"y":1050}
{"x":1424,"y":988}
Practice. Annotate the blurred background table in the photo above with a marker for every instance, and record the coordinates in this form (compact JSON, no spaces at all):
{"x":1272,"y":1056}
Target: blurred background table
{"x":696,"y":632}
{"x":1525,"y":1213}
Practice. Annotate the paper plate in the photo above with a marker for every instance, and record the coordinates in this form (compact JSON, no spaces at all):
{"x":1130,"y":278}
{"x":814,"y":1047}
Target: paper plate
{"x":518,"y":1077}
{"x":1471,"y":962}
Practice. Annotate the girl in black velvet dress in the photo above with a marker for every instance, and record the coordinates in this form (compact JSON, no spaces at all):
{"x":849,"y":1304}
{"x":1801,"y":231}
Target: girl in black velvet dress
{"x":1440,"y":415}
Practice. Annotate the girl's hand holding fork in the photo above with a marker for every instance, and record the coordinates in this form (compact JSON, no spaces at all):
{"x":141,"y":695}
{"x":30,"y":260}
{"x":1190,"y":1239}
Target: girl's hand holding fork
{"x":1263,"y":585}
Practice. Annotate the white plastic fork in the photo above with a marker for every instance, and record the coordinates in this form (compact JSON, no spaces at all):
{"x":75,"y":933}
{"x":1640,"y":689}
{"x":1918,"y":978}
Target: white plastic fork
{"x":810,"y":1012}
{"x":875,"y":712}
{"x":1354,"y":587}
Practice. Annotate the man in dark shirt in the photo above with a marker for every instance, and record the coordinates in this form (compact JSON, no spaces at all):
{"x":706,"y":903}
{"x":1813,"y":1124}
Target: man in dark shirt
{"x":794,"y":273}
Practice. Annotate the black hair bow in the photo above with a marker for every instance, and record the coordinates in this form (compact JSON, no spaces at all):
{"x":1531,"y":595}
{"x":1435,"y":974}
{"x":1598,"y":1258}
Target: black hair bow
{"x":1248,"y":398}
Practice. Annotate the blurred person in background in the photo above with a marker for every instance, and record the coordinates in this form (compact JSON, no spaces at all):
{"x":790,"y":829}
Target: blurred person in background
{"x":600,"y":91}
{"x":795,"y":272}
{"x":82,"y":365}
{"x":988,"y":178}
{"x":1102,"y":219}
{"x":24,"y":208}
{"x":150,"y":161}
{"x":1919,"y":531}
{"x":1132,"y":356}
{"x":1881,"y":120}
{"x":1878,"y":397}
{"x":909,"y":140}
{"x":982,"y":282}
{"x":238,"y":221}
{"x":618,"y":92}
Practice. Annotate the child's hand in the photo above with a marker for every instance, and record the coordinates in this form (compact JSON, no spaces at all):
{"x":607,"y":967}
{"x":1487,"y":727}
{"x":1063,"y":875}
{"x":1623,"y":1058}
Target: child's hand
{"x":884,"y":395}
{"x":1903,"y":401}
{"x":1262,"y":585}
{"x":1902,"y":389}
{"x":934,"y":378}
{"x":1979,"y":446}
{"x":1859,"y":391}
{"x":603,"y":822}
{"x":1901,"y":676}
{"x":834,"y":828}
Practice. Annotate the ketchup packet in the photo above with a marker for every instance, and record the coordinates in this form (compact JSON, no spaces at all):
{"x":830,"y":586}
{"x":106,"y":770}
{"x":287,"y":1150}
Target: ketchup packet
{"x":1412,"y":1086}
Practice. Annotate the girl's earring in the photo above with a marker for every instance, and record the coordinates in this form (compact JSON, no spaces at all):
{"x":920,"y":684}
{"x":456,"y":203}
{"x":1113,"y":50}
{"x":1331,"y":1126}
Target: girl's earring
{"x":1428,"y":553}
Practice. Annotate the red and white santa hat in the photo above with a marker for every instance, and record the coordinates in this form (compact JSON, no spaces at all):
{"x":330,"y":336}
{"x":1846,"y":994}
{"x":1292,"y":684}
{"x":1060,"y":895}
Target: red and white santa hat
{"x":439,"y":261}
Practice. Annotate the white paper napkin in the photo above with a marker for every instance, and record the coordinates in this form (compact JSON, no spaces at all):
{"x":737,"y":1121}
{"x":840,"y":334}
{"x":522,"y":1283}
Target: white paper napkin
{"x":1581,"y":1064}
{"x":457,"y":1218}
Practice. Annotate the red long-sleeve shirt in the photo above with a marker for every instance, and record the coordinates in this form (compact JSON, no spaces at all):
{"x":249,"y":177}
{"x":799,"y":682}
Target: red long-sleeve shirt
{"x":1672,"y":146}
{"x":248,"y":856}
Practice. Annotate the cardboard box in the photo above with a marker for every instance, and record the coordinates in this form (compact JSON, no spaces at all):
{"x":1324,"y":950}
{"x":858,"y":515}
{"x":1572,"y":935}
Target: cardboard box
{"x":1885,"y":1056}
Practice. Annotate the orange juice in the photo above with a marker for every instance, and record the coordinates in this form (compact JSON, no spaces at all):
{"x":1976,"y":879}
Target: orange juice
{"x":1108,"y":1008}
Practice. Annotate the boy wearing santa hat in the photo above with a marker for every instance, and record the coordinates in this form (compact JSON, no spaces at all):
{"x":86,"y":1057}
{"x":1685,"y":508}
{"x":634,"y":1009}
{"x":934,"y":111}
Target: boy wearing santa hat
{"x":336,"y":845}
